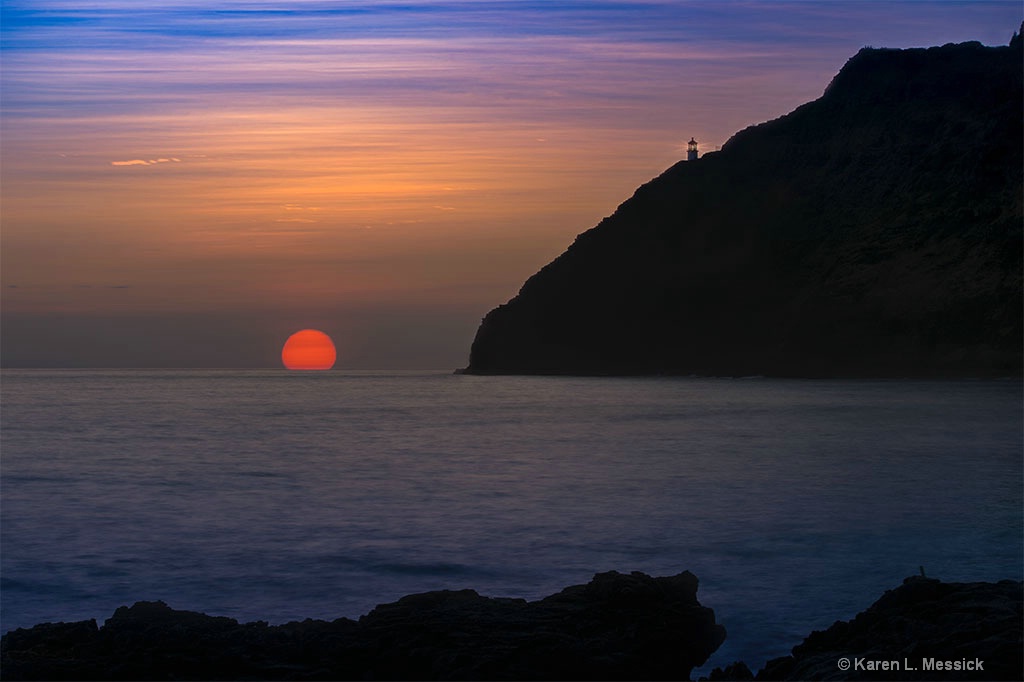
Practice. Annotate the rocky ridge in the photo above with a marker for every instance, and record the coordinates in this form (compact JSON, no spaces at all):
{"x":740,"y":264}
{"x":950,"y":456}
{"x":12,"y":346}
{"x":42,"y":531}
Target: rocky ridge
{"x":873,"y":232}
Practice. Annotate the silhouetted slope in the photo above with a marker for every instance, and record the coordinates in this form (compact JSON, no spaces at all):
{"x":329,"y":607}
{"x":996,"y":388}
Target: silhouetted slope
{"x":873,"y":232}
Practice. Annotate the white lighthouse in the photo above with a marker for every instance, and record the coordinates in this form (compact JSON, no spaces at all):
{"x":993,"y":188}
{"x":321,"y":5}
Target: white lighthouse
{"x":691,"y":150}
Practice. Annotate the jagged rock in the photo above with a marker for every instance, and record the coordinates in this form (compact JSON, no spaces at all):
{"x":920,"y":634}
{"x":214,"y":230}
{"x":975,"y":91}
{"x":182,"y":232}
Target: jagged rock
{"x":734,"y":672}
{"x":876,"y":231}
{"x":922,"y":619}
{"x":616,"y":627}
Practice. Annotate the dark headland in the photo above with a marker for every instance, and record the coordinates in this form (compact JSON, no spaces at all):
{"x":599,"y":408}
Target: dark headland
{"x":873,"y":232}
{"x":617,"y":627}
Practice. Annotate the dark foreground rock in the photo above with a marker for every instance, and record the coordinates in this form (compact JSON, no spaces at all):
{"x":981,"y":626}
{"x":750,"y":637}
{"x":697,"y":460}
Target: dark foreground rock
{"x":944,"y":631}
{"x":615,"y":627}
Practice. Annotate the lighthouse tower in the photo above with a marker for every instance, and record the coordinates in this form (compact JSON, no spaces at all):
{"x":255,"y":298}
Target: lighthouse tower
{"x":691,"y":150}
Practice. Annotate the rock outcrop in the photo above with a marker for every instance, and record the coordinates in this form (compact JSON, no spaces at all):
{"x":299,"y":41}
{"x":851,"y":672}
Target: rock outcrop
{"x":876,"y":231}
{"x":923,"y":630}
{"x":615,"y":627}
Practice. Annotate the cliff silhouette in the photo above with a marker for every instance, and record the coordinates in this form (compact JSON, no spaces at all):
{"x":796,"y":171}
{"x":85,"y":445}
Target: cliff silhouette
{"x":873,"y":232}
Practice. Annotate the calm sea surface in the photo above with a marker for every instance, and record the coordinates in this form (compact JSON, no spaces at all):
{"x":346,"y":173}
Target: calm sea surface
{"x":279,"y":496}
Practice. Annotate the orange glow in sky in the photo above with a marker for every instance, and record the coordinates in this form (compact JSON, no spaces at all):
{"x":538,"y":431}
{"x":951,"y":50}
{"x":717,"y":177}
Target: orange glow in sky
{"x":308,"y":349}
{"x":392,"y":170}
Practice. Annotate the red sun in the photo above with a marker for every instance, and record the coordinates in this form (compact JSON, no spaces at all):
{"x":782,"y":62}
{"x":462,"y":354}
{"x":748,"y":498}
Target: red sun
{"x":308,"y":349}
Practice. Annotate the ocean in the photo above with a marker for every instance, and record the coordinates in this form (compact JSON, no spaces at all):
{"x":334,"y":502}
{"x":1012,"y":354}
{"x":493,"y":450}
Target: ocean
{"x":275,"y":495}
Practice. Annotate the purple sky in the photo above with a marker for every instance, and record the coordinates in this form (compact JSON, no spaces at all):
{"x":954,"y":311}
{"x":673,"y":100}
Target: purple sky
{"x":187,"y":183}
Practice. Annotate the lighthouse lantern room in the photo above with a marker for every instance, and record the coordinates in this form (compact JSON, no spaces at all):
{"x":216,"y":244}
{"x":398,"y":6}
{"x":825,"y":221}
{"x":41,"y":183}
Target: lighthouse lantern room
{"x":691,"y":150}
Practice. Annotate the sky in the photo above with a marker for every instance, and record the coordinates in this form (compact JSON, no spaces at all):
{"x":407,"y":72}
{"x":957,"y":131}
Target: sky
{"x":186,"y":183}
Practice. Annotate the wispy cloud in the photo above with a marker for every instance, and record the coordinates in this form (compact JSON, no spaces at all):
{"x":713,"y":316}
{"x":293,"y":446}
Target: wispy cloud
{"x":376,"y":121}
{"x":144,"y":162}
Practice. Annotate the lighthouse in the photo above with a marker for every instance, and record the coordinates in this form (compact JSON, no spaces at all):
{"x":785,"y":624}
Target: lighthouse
{"x":691,"y":150}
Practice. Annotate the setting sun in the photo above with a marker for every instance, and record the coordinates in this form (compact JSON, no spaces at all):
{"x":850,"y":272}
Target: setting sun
{"x":308,"y":349}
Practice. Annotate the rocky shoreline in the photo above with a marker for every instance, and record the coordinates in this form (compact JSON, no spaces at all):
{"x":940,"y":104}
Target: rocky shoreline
{"x":924,"y":629}
{"x":617,"y":626}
